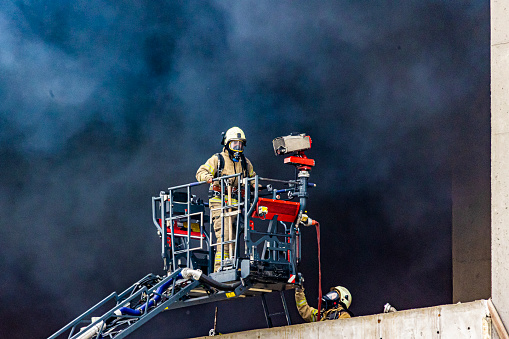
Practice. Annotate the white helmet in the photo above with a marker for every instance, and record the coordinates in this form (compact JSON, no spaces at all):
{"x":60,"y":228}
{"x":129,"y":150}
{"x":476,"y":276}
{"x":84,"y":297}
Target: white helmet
{"x":338,"y":294}
{"x":233,"y":133}
{"x":234,"y":140}
{"x":346,"y":296}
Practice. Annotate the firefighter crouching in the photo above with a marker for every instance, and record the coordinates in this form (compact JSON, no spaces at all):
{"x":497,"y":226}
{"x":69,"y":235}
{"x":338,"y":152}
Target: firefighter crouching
{"x":334,"y":305}
{"x":230,"y":161}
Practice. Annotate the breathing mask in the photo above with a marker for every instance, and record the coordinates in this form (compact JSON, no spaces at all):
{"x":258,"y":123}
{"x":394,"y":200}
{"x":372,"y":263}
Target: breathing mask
{"x":331,"y":300}
{"x":235,"y":148}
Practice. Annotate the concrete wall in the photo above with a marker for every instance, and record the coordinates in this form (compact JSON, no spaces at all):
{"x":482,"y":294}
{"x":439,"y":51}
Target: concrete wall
{"x":500,"y":156}
{"x":469,"y":320}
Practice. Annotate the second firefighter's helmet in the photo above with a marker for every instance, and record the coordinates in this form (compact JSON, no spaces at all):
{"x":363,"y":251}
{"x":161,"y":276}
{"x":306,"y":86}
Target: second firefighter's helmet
{"x":234,"y":140}
{"x":337,"y":295}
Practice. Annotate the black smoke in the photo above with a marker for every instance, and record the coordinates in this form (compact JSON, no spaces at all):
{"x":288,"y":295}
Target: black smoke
{"x":105,"y":103}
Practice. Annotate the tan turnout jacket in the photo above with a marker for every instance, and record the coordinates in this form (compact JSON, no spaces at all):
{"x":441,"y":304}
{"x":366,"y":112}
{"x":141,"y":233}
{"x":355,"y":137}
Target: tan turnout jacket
{"x":310,"y":314}
{"x":209,"y":169}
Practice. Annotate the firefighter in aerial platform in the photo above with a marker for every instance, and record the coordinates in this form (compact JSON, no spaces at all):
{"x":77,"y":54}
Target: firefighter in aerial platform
{"x":335,"y":305}
{"x":230,"y":161}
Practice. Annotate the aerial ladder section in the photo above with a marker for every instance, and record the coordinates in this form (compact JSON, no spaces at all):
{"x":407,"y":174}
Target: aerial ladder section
{"x":264,"y":215}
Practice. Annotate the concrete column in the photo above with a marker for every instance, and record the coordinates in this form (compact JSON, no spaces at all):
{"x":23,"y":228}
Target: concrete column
{"x":471,"y":229}
{"x":500,"y":157}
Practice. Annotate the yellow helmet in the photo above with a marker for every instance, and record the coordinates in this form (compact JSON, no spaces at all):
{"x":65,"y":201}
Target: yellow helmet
{"x":234,"y":133}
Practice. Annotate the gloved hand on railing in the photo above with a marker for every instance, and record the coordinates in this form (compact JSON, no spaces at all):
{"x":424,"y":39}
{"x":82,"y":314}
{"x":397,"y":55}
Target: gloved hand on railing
{"x":300,"y":285}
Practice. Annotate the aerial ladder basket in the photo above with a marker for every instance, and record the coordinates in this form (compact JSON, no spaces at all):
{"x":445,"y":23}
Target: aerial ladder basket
{"x":264,"y":249}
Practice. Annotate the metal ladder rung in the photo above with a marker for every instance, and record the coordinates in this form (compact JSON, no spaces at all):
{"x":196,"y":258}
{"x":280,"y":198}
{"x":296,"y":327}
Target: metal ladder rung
{"x":268,"y":316}
{"x":277,"y":313}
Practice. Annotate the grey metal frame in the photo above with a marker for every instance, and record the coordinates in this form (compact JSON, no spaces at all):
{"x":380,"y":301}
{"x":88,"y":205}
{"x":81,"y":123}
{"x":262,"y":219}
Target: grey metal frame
{"x":276,"y":251}
{"x":279,"y":248}
{"x":121,"y":300}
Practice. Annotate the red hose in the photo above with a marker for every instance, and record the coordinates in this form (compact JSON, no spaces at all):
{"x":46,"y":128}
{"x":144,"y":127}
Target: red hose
{"x":319,"y":271}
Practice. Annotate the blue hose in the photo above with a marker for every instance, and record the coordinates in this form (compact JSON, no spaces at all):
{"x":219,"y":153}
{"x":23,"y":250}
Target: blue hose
{"x":155,"y":299}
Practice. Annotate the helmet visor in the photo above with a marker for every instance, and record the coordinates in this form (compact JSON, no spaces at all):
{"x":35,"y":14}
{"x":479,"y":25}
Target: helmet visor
{"x":236,"y":145}
{"x":332,"y":296}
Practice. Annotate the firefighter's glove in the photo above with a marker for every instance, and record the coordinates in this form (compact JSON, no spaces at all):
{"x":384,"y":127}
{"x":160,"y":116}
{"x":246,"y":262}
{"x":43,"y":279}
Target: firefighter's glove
{"x":300,"y":286}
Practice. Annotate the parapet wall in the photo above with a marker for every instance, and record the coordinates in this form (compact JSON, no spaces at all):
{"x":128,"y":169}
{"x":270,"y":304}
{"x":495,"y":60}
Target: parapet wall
{"x":468,"y":320}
